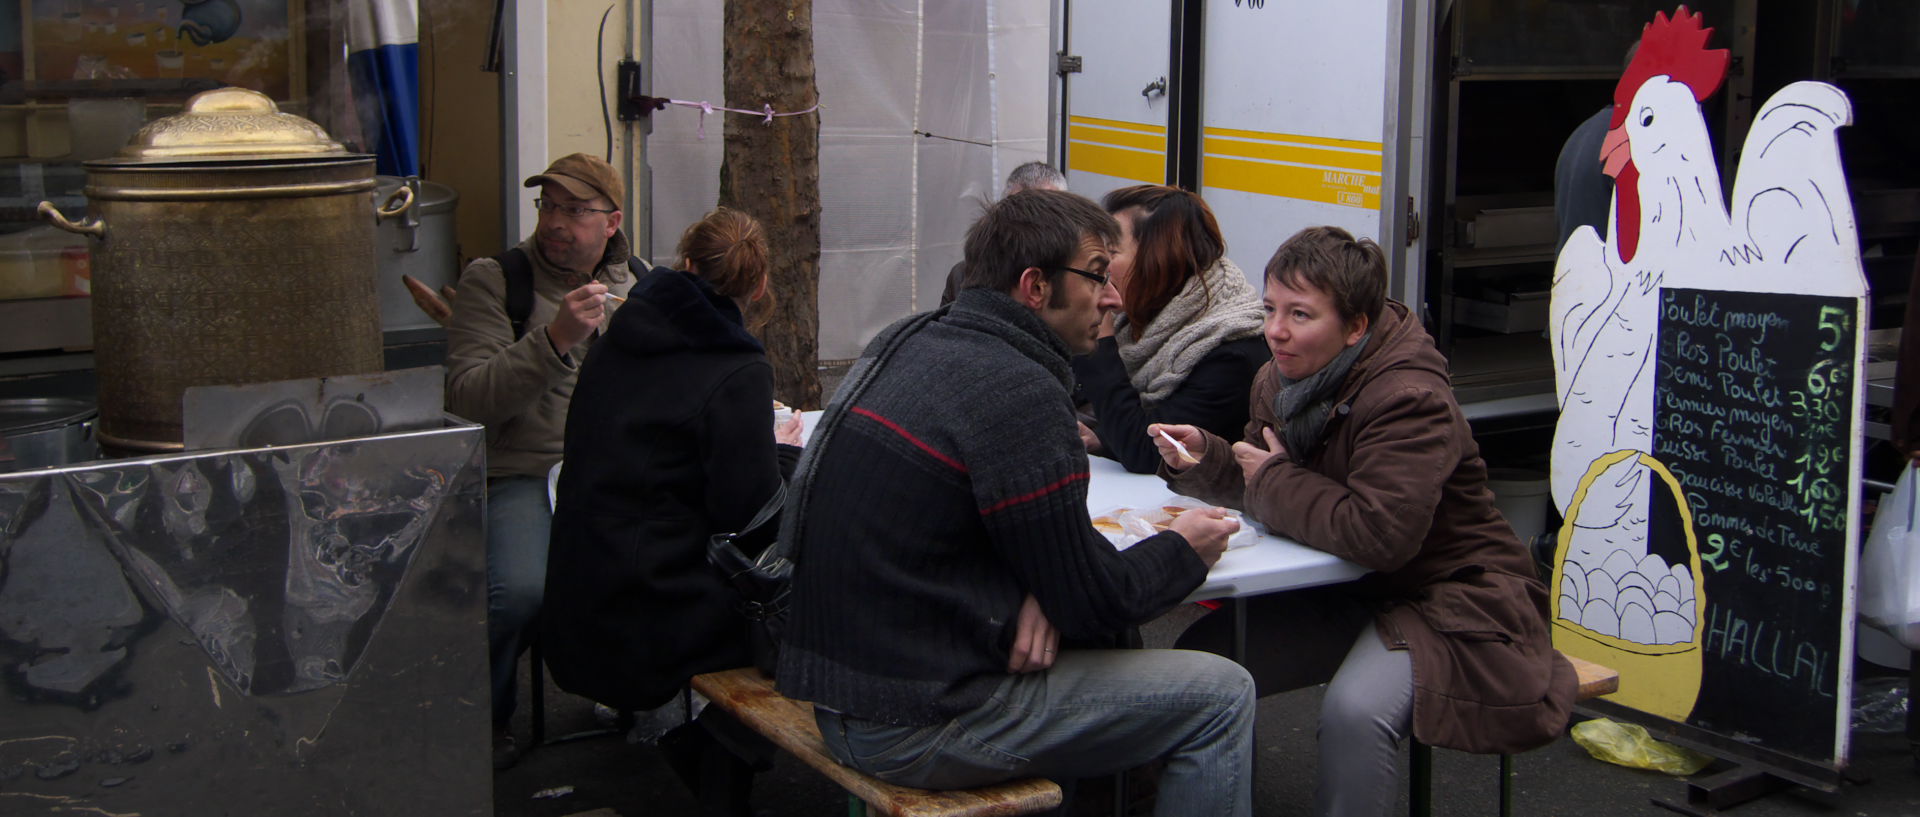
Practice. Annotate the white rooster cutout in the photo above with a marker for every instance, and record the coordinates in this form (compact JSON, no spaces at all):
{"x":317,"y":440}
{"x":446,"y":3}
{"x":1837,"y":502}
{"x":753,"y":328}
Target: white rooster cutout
{"x":1791,"y":230}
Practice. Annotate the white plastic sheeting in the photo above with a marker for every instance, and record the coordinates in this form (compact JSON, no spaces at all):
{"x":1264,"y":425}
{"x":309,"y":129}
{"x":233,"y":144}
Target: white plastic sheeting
{"x":894,"y":204}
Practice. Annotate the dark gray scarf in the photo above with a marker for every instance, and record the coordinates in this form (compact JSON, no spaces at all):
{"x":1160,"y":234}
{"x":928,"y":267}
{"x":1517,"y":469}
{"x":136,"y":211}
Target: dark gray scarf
{"x":1305,"y":405}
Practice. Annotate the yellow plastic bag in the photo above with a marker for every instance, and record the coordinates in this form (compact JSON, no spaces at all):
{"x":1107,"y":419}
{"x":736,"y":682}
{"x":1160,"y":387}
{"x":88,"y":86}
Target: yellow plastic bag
{"x":1629,"y":745}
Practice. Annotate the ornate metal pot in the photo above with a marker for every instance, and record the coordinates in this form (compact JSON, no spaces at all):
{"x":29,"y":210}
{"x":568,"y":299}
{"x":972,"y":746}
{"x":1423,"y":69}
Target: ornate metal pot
{"x":233,"y":244}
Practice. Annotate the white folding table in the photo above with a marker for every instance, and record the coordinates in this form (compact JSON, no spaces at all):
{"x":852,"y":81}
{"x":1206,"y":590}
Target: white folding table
{"x":1269,"y":565}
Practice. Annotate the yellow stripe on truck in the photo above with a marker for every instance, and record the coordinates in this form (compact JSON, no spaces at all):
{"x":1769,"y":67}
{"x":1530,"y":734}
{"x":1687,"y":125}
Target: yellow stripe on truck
{"x":1349,"y":160}
{"x":1122,"y":163}
{"x":1117,"y":123}
{"x":1123,"y":150}
{"x":1323,"y":141}
{"x":1317,"y":184}
{"x":1156,"y":142}
{"x":1321,"y":169}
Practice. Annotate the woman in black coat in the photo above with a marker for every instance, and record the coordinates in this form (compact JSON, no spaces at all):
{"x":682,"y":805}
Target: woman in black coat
{"x":670,"y":440}
{"x":1186,"y":344}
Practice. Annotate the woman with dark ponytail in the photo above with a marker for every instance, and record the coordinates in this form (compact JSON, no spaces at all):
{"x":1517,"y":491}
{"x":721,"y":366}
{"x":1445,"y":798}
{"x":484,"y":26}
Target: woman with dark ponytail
{"x":670,"y":440}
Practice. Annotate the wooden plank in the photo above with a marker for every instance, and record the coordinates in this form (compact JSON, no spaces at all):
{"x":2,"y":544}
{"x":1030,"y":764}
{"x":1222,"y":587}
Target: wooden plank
{"x":1595,"y":680}
{"x":750,"y":696}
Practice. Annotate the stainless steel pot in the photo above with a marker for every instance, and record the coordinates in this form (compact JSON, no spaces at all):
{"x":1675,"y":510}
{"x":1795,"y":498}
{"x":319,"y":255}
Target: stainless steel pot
{"x":234,"y":244}
{"x":420,"y":244}
{"x":45,"y":431}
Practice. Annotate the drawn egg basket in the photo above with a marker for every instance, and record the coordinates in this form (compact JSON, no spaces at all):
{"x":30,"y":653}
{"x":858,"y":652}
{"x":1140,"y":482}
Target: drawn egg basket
{"x":1621,"y":603}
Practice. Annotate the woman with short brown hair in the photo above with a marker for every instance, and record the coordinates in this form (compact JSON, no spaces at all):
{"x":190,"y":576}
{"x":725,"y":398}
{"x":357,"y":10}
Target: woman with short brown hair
{"x":1357,"y":447}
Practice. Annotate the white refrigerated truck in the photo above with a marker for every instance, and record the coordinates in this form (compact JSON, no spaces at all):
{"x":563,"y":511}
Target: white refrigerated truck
{"x":1293,"y":113}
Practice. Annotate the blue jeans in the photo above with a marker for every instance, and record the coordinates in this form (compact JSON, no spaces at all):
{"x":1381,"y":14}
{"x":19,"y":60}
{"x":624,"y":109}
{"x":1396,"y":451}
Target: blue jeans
{"x":1096,"y":712}
{"x":519,"y":519}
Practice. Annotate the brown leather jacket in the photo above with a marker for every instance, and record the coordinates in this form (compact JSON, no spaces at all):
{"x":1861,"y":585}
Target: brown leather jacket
{"x":1400,"y":488}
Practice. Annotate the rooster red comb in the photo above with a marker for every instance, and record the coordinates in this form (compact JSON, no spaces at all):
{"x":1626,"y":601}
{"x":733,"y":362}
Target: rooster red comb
{"x":1677,"y":49}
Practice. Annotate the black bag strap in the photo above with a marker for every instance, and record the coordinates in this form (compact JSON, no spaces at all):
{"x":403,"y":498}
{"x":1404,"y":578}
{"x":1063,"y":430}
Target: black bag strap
{"x":761,"y":580}
{"x":766,"y":513}
{"x":517,"y":268}
{"x":876,"y":356}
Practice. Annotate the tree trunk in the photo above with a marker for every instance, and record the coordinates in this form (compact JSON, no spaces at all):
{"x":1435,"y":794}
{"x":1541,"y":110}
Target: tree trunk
{"x":773,"y":172}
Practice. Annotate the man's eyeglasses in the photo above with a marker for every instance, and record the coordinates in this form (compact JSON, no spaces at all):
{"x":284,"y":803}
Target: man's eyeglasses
{"x":569,"y":210}
{"x":1096,"y":277}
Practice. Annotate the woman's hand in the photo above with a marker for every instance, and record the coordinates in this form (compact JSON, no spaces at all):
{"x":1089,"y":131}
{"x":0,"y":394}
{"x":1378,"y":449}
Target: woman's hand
{"x":1251,"y":457}
{"x":1034,"y":639}
{"x":788,"y":433}
{"x":1194,"y":439}
{"x":1088,"y":439}
{"x":1106,"y":324}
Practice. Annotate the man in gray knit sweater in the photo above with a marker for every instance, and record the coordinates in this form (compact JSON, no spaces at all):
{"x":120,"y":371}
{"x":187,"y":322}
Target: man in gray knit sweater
{"x":939,"y":524}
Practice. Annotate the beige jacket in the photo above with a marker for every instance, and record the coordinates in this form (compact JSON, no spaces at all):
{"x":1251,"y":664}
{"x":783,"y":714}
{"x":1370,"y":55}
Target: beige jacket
{"x":519,"y":389}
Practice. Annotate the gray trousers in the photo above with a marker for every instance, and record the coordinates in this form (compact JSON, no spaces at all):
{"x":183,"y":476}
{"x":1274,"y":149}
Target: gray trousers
{"x":1325,"y":635}
{"x":1096,"y":712}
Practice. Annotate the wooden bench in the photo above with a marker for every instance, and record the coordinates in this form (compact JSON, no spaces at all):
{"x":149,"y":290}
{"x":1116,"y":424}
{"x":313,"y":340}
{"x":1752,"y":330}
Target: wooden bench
{"x":1594,"y":681}
{"x":749,"y":696}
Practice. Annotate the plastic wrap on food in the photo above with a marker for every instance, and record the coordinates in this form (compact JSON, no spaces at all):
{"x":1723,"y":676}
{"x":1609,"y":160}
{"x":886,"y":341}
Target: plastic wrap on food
{"x":1125,"y":525}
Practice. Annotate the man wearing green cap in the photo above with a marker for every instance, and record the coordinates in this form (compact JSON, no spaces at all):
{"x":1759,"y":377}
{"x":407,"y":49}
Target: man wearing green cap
{"x":520,"y":329}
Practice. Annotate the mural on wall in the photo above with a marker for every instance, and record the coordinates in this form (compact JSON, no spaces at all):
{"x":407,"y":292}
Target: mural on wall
{"x":245,"y":43}
{"x":1704,"y":365}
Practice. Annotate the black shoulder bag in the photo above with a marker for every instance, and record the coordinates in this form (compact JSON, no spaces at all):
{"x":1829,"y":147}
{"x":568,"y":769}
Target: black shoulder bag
{"x":763,"y":583}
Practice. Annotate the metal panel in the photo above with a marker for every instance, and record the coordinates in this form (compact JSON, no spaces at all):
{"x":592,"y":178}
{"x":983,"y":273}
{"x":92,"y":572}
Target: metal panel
{"x":1118,"y":104}
{"x":1296,"y":126}
{"x":295,"y":630}
{"x":315,"y":409}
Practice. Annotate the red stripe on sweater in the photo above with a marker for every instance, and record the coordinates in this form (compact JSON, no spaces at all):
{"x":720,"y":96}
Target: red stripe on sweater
{"x":1007,"y":503}
{"x":895,"y":427}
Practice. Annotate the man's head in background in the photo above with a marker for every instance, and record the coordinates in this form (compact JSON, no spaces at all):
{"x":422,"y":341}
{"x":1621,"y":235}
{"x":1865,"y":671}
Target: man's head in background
{"x":1034,"y":176}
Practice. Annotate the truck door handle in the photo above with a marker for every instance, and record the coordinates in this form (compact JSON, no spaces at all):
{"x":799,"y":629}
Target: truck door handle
{"x":1158,"y":86}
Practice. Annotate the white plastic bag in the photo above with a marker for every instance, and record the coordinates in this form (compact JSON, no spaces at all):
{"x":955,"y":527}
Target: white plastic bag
{"x":1890,"y":564}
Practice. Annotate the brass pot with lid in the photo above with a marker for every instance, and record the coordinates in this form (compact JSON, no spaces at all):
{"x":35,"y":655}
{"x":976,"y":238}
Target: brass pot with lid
{"x":233,"y":244}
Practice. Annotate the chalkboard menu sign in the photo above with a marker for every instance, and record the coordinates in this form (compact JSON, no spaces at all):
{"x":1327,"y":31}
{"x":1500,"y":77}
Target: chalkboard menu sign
{"x":1754,"y":417}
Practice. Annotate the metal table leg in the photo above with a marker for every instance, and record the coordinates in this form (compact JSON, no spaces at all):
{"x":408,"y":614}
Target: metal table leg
{"x":1420,"y":778}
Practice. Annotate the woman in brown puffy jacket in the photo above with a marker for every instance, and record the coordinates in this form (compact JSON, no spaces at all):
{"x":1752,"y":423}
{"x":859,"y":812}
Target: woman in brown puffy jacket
{"x":1356,"y":446}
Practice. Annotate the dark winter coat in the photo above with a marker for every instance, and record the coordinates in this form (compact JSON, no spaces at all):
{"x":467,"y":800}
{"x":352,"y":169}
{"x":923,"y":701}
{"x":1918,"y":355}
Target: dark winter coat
{"x":951,"y":488}
{"x":669,"y":440}
{"x":1213,"y":397}
{"x":1399,"y":488}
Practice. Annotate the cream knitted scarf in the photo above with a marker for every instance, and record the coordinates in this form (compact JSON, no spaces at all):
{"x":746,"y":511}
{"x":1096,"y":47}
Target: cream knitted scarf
{"x":1214,"y":307}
